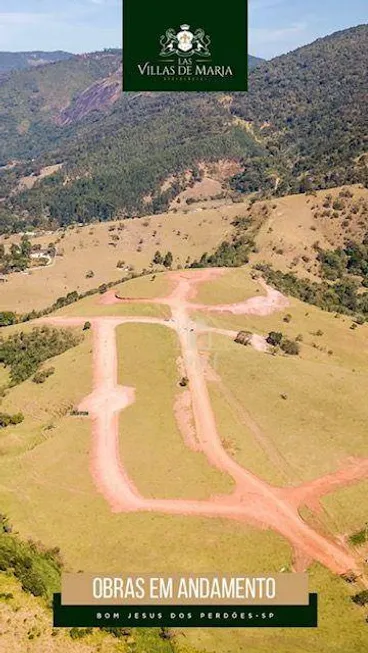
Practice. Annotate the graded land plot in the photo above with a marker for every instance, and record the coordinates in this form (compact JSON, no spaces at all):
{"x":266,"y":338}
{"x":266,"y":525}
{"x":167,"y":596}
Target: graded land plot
{"x":150,"y":286}
{"x":152,"y":445}
{"x":99,"y":248}
{"x":94,"y":307}
{"x":325,"y":337}
{"x":45,"y":406}
{"x":323,"y":418}
{"x":341,"y":626}
{"x":241,"y":437}
{"x":233,"y":285}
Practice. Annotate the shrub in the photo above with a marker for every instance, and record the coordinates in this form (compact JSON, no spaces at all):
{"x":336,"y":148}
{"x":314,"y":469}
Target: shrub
{"x":7,"y":318}
{"x":40,"y":377}
{"x":79,"y":633}
{"x":10,"y":420}
{"x":157,"y":259}
{"x":117,"y":632}
{"x":290,"y":347}
{"x":168,"y":260}
{"x":361,"y":598}
{"x":360,"y":537}
{"x":87,"y":326}
{"x":274,"y":338}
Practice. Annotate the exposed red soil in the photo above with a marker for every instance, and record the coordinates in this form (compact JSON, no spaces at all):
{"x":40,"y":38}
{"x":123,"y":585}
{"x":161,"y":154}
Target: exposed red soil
{"x":253,"y":500}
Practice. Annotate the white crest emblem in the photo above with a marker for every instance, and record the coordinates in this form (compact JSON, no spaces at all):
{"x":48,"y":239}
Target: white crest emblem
{"x":185,"y":43}
{"x":185,"y":38}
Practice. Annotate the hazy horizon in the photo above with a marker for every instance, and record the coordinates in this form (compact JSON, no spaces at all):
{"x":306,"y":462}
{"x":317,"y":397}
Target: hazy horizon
{"x":80,"y":26}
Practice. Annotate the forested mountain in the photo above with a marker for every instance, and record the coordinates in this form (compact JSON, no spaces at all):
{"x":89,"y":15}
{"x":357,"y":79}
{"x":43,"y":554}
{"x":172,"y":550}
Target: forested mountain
{"x":302,"y":124}
{"x":310,"y":109}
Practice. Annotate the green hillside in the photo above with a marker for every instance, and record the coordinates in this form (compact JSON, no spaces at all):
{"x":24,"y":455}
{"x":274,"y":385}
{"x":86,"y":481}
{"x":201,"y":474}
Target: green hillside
{"x":300,"y":126}
{"x":309,"y":109}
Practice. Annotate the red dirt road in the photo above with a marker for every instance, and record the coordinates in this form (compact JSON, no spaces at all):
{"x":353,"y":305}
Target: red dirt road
{"x":253,"y":500}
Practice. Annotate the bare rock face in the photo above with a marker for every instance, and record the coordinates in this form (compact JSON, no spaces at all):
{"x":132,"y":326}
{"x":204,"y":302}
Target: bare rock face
{"x":97,"y":97}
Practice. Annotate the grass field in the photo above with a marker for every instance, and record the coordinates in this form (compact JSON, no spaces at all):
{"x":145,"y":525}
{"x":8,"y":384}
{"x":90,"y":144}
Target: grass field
{"x":235,"y":285}
{"x":341,"y":628}
{"x":349,"y":347}
{"x":323,"y":420}
{"x":47,"y":490}
{"x":48,"y":493}
{"x":150,"y":286}
{"x":90,"y":306}
{"x":289,"y":229}
{"x":347,"y":508}
{"x":147,"y":287}
{"x":239,"y":440}
{"x":26,"y":626}
{"x":87,"y":249}
{"x":45,"y":406}
{"x":151,"y":444}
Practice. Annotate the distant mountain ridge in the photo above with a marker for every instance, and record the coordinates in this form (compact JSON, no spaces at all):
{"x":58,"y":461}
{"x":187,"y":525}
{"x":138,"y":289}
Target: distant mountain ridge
{"x":254,"y":61}
{"x":22,"y":60}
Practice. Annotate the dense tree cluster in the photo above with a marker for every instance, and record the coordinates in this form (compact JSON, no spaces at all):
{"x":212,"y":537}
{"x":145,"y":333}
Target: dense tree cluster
{"x":351,"y":259}
{"x":37,"y":568}
{"x":23,"y":352}
{"x":288,"y":346}
{"x":234,"y":252}
{"x":17,"y":258}
{"x":342,"y":296}
{"x":307,"y":108}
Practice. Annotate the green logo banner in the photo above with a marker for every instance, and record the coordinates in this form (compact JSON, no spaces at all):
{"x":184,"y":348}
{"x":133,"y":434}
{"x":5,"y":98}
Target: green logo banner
{"x":186,"y":616}
{"x":190,"y":46}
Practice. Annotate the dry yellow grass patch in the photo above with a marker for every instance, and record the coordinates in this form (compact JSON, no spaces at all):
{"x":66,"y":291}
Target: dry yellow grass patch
{"x":29,"y":181}
{"x":94,"y":248}
{"x":291,"y":230}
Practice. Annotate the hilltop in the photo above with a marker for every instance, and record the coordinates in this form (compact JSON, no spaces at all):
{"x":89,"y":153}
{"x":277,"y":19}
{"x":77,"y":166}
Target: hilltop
{"x":10,"y":61}
{"x":21,"y":60}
